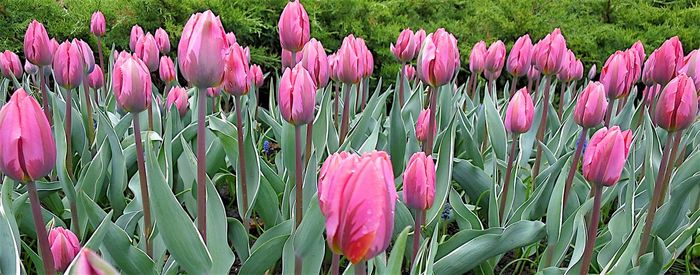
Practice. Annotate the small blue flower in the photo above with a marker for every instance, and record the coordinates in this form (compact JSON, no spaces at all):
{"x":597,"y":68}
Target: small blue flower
{"x":585,"y":144}
{"x":266,"y":147}
{"x":446,"y":211}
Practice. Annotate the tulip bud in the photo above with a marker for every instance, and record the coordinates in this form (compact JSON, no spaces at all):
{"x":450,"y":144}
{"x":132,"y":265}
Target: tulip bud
{"x":369,"y":63}
{"x":648,"y":69}
{"x":90,"y":263}
{"x":533,"y":74}
{"x":605,"y":155}
{"x":178,"y":96}
{"x":256,"y":75}
{"x":294,"y":29}
{"x":495,"y":57}
{"x":410,"y":72}
{"x":350,"y":61}
{"x":613,"y":76}
{"x":578,"y":70}
{"x":136,"y":34}
{"x":315,"y":61}
{"x":325,"y":186}
{"x":691,"y":67}
{"x":96,"y":78}
{"x":147,"y":51}
{"x":419,"y":182}
{"x":405,"y":48}
{"x":22,"y":125}
{"x":333,"y":67}
{"x":213,"y":91}
{"x":639,"y":49}
{"x":634,"y":67}
{"x":30,"y":68}
{"x":287,"y":61}
{"x":670,"y":59}
{"x":422,"y":125}
{"x":68,"y":65}
{"x":10,"y":65}
{"x":549,"y":53}
{"x":64,"y":247}
{"x":568,"y":67}
{"x":297,"y":96}
{"x":592,"y":72}
{"x":230,"y":38}
{"x":420,"y":38}
{"x":649,"y":93}
{"x":87,"y":55}
{"x":97,"y":24}
{"x":520,"y":112}
{"x":202,"y":49}
{"x":477,"y":56}
{"x":591,"y":105}
{"x":37,"y":46}
{"x":162,"y":41}
{"x":53,"y":44}
{"x":166,"y":69}
{"x":131,"y":83}
{"x":677,"y":106}
{"x":438,"y":59}
{"x":519,"y":58}
{"x":236,"y":67}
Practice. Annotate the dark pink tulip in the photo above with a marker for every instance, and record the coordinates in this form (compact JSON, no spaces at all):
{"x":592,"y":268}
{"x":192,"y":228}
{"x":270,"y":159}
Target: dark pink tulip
{"x":315,"y":60}
{"x":202,"y":49}
{"x":422,"y":125}
{"x":96,"y":78}
{"x":369,"y":63}
{"x":178,"y":97}
{"x":420,"y":38}
{"x":37,"y":46}
{"x":477,"y":56}
{"x":230,"y":38}
{"x":98,"y":24}
{"x":236,"y":67}
{"x":677,"y":106}
{"x":147,"y":51}
{"x":162,"y":41}
{"x":131,"y":83}
{"x":648,"y":69}
{"x":136,"y":34}
{"x":10,"y":65}
{"x":520,"y":112}
{"x":27,"y":146}
{"x":568,"y":67}
{"x":549,"y":53}
{"x":350,"y":61}
{"x":293,"y":26}
{"x":495,"y":58}
{"x":88,"y":56}
{"x":328,"y":170}
{"x":591,"y":105}
{"x":533,"y":74}
{"x":287,"y":59}
{"x":691,"y":67}
{"x":297,"y":96}
{"x":520,"y":56}
{"x":578,"y":70}
{"x":438,"y":59}
{"x":68,"y":65}
{"x":419,"y":182}
{"x":669,"y":58}
{"x":649,"y":93}
{"x":256,"y":75}
{"x":605,"y":155}
{"x":592,"y":72}
{"x":166,"y":69}
{"x":634,"y":66}
{"x":410,"y":72}
{"x":30,"y":68}
{"x":64,"y":247}
{"x":639,"y":48}
{"x":90,"y":263}
{"x":405,"y":48}
{"x":614,"y":75}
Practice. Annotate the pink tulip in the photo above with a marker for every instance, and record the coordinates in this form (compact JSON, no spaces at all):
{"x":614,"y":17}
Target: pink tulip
{"x":96,"y":78}
{"x":591,"y":105}
{"x":256,"y":75}
{"x":669,"y":59}
{"x":236,"y":67}
{"x":136,"y":34}
{"x":147,"y":51}
{"x":578,"y":70}
{"x":648,"y":69}
{"x":437,"y":62}
{"x":297,"y":96}
{"x":639,"y":48}
{"x":634,"y":66}
{"x":592,"y":72}
{"x":230,"y":38}
{"x":419,"y":39}
{"x":422,"y":125}
{"x":162,"y":41}
{"x":495,"y":58}
{"x":30,"y":68}
{"x":649,"y":93}
{"x":166,"y":69}
{"x":328,"y":169}
{"x":90,"y":263}
{"x":360,"y":224}
{"x":691,"y":67}
{"x":53,"y":44}
{"x":419,"y":182}
{"x":520,"y":112}
{"x":677,"y":106}
{"x":350,"y":61}
{"x":287,"y":59}
{"x":533,"y":74}
{"x":410,"y":72}
{"x":314,"y":59}
{"x":202,"y":49}
{"x":178,"y":96}
{"x":294,"y":29}
{"x":369,"y":63}
{"x":27,"y":147}
{"x":97,"y":24}
{"x":477,"y":56}
{"x":10,"y":65}
{"x":405,"y":49}
{"x":87,"y":55}
{"x":131,"y":83}
{"x":333,"y":67}
{"x":605,"y":155}
{"x":68,"y":65}
{"x":213,"y":91}
{"x":37,"y":46}
{"x":520,"y":56}
{"x":548,"y":53}
{"x":614,"y":75}
{"x":568,"y":67}
{"x":64,"y":247}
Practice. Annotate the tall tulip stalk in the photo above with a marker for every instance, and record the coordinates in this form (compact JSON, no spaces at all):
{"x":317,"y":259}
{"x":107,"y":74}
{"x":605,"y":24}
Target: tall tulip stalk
{"x":493,"y":64}
{"x":419,"y":192}
{"x":88,"y":67}
{"x":476,"y":65}
{"x":39,"y":50}
{"x":350,"y":67}
{"x":315,"y":61}
{"x":519,"y":60}
{"x":404,"y":51}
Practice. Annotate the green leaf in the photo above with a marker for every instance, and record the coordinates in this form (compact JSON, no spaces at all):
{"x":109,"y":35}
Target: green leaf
{"x":266,"y":250}
{"x":397,"y":251}
{"x":443,"y":173}
{"x":10,"y":262}
{"x":397,"y":138}
{"x":496,"y":130}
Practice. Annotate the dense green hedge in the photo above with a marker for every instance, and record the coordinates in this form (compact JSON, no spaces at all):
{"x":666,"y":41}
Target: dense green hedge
{"x":594,"y":29}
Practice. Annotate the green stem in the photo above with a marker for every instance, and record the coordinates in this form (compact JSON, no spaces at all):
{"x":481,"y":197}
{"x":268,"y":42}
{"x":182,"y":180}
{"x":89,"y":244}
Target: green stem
{"x":88,"y":105}
{"x":361,"y":268}
{"x":42,"y":236}
{"x":335,"y":264}
{"x":401,"y":80}
{"x":44,"y":95}
{"x":608,"y":113}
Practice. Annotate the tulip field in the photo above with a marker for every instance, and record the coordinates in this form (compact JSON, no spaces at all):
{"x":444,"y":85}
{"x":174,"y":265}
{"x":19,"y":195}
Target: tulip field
{"x":181,"y":156}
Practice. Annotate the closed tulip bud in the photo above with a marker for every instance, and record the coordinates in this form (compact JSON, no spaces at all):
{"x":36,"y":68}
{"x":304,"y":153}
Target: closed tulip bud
{"x":68,"y":65}
{"x":287,"y":61}
{"x":437,"y":61}
{"x":520,"y":112}
{"x":22,"y":125}
{"x":592,"y":72}
{"x":10,"y":65}
{"x":136,"y":34}
{"x":297,"y":96}
{"x":328,"y":170}
{"x":236,"y":67}
{"x":88,"y":57}
{"x":178,"y":97}
{"x":30,"y":68}
{"x":96,"y":78}
{"x":520,"y":56}
{"x":54,"y":46}
{"x":419,"y":182}
{"x":639,"y":48}
{"x":677,"y":106}
{"x":568,"y":67}
{"x":410,"y":72}
{"x":131,"y":83}
{"x":614,"y":75}
{"x":405,"y":48}
{"x":420,"y":38}
{"x":333,"y":67}
{"x":360,"y":224}
{"x":314,"y":59}
{"x":37,"y":46}
{"x":64,"y":247}
{"x":147,"y":51}
{"x":605,"y":155}
{"x":166,"y":69}
{"x":578,"y":70}
{"x":648,"y":69}
{"x":533,"y":74}
{"x":90,"y":263}
{"x":422,"y":125}
{"x":201,"y":50}
{"x":213,"y":91}
{"x":591,"y":105}
{"x":162,"y":41}
{"x":649,"y":93}
{"x":369,"y":63}
{"x":293,"y":26}
{"x":634,"y":66}
{"x":230,"y":38}
{"x":350,"y":61}
{"x":495,"y":58}
{"x":256,"y":75}
{"x":477,"y":56}
{"x":691,"y":67}
{"x":670,"y":59}
{"x":549,"y":53}
{"x":97,"y":24}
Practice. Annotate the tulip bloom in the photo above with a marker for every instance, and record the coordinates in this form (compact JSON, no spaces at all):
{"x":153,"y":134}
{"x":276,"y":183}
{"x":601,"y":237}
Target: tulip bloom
{"x":213,"y":91}
{"x":613,"y":75}
{"x":131,"y":83}
{"x":255,"y":75}
{"x":230,"y":38}
{"x":419,"y":182}
{"x":162,"y":41}
{"x":30,"y":68}
{"x":495,"y":57}
{"x":577,"y":73}
{"x":519,"y":58}
{"x":96,"y":78}
{"x":314,"y":59}
{"x":87,"y":55}
{"x":369,"y":61}
{"x":294,"y":29}
{"x":533,"y":76}
{"x":568,"y":67}
{"x":670,"y":59}
{"x":178,"y":97}
{"x":166,"y":69}
{"x":422,"y":126}
{"x":548,"y":53}
{"x":147,"y":51}
{"x":606,"y":155}
{"x":691,"y":67}
{"x":10,"y":65}
{"x":64,"y":247}
{"x":350,"y":62}
{"x":420,"y":38}
{"x":90,"y":263}
{"x":136,"y":34}
{"x":37,"y":46}
{"x":591,"y":106}
{"x":592,"y":72}
{"x":437,"y":62}
{"x":333,"y":67}
{"x":68,"y":65}
{"x":520,"y":113}
{"x":297,"y":96}
{"x":476,"y":58}
{"x":328,"y":169}
{"x":410,"y":72}
{"x":202,"y":49}
{"x":405,"y":49}
{"x":236,"y":67}
{"x":97,"y":24}
{"x":638,"y":47}
{"x":678,"y":104}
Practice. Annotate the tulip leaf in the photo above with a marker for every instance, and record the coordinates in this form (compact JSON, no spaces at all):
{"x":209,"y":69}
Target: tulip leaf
{"x":10,"y":262}
{"x":496,"y":130}
{"x":265,"y":251}
{"x":443,"y":173}
{"x":397,"y":137}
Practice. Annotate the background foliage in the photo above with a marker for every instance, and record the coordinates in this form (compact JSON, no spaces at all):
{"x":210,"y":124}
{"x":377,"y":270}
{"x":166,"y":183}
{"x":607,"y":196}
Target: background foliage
{"x":594,"y":28}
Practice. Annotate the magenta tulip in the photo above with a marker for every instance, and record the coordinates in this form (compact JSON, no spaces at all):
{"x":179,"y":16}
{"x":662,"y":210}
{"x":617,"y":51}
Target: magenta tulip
{"x":568,"y":67}
{"x":98,"y":24}
{"x":369,"y":62}
{"x":314,"y":59}
{"x":202,"y":49}
{"x":230,"y":38}
{"x":634,"y":66}
{"x":213,"y":91}
{"x":96,"y":78}
{"x":548,"y":53}
{"x":350,"y":61}
{"x":10,"y":65}
{"x":147,"y":51}
{"x":64,"y":247}
{"x":691,"y":67}
{"x":639,"y":48}
{"x":650,"y":92}
{"x":293,"y":26}
{"x":520,"y":113}
{"x":68,"y":65}
{"x":677,"y":106}
{"x":297,"y":96}
{"x":405,"y":48}
{"x":422,"y":126}
{"x":328,"y":170}
{"x":605,"y":155}
{"x":410,"y":72}
{"x":438,"y":59}
{"x":236,"y":68}
{"x":419,"y":182}
{"x":668,"y":59}
{"x":495,"y":58}
{"x":87,"y":55}
{"x":333,"y":67}
{"x":476,"y":57}
{"x":178,"y":96}
{"x":37,"y":46}
{"x":578,"y":70}
{"x":419,"y":39}
{"x":90,"y":263}
{"x":256,"y":75}
{"x":136,"y":34}
{"x":54,"y":46}
{"x":162,"y":41}
{"x":648,"y":70}
{"x":613,"y":76}
{"x":166,"y":69}
{"x":131,"y":83}
{"x":591,"y":105}
{"x":533,"y":74}
{"x":520,"y":56}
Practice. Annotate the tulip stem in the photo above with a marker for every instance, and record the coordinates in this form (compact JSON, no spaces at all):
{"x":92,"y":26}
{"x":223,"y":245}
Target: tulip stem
{"x":241,"y":159}
{"x":145,"y":200}
{"x":416,"y":234}
{"x":574,"y":164}
{"x":335,"y":264}
{"x":42,"y":236}
{"x":592,"y":230}
{"x":69,"y":156}
{"x":201,"y":164}
{"x":608,"y":112}
{"x":431,"y":122}
{"x":346,"y":114}
{"x":506,"y":183}
{"x":150,"y":117}
{"x":365,"y":92}
{"x":670,"y":165}
{"x":361,"y":268}
{"x":529,"y":85}
{"x":102,"y":59}
{"x":309,"y":141}
{"x":513,"y":86}
{"x":401,"y":80}
{"x":541,"y":130}
{"x":336,"y":105}
{"x":44,"y":95}
{"x":470,"y":82}
{"x":562,"y":92}
{"x":88,"y":105}
{"x":299,"y":195}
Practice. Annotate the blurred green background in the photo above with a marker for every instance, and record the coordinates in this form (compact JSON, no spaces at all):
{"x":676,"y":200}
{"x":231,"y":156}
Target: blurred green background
{"x":594,"y":28}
